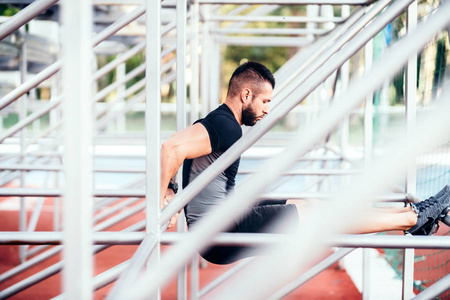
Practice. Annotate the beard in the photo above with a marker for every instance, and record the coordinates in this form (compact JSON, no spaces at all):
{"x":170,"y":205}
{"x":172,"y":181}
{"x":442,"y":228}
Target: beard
{"x":249,"y":117}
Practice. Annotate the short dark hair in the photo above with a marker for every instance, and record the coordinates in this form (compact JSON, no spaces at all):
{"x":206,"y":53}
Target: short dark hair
{"x":250,"y":72}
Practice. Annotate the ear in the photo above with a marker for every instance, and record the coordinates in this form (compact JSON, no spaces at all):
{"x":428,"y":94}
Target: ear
{"x":246,"y":95}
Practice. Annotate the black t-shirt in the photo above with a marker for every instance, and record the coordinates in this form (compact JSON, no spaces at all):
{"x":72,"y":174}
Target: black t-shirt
{"x":224,"y":131}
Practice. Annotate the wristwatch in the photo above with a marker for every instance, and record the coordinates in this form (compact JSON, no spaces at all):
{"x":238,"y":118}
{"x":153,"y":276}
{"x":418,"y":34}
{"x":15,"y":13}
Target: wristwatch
{"x":173,"y":187}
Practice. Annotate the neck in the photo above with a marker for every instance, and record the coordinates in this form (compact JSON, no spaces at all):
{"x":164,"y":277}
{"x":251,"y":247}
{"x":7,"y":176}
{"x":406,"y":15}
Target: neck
{"x":236,"y":109}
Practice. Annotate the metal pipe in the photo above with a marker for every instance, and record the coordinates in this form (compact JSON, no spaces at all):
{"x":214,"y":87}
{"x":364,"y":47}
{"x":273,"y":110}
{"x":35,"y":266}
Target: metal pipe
{"x":293,"y":258}
{"x":130,"y":75}
{"x":194,"y":53}
{"x":289,"y":2}
{"x":433,"y":291}
{"x":20,"y":286}
{"x":28,"y":192}
{"x":153,"y":128}
{"x":181,"y":99}
{"x":120,"y":217}
{"x":411,"y":176}
{"x":300,"y":92}
{"x":100,"y":124}
{"x":310,"y":172}
{"x":56,"y":66}
{"x":274,"y":19}
{"x":54,"y":269}
{"x":118,"y":60}
{"x":137,"y":263}
{"x":77,"y":204}
{"x":311,"y":273}
{"x":221,"y":216}
{"x":27,"y":86}
{"x":24,"y":16}
{"x":103,"y":279}
{"x":267,"y":41}
{"x":347,"y":33}
{"x":111,"y":210}
{"x":118,"y":24}
{"x":29,"y":119}
{"x":232,"y":239}
{"x":229,"y":273}
{"x":129,"y":104}
{"x":273,"y":31}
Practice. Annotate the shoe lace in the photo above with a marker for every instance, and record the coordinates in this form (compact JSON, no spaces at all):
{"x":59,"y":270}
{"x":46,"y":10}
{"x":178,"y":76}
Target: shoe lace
{"x":423,"y":205}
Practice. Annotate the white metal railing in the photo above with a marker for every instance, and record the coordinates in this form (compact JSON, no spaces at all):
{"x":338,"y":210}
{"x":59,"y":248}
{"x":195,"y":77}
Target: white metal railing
{"x":295,"y":88}
{"x":235,"y":203}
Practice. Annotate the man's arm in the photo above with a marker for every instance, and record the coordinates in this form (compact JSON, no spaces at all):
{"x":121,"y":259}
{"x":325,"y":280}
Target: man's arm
{"x":188,"y":143}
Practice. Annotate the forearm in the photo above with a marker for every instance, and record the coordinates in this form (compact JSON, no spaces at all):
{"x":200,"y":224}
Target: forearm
{"x":170,"y":163}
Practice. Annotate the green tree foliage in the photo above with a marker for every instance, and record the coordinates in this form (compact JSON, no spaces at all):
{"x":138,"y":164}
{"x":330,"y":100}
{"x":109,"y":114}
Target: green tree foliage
{"x":7,"y":10}
{"x":272,"y":57}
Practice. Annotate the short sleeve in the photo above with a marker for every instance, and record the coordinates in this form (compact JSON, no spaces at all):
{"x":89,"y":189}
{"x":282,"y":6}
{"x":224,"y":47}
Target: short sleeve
{"x":223,"y":132}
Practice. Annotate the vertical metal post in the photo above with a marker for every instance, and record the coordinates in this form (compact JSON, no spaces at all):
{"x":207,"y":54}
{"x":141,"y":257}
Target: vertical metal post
{"x":368,"y":136}
{"x":411,"y":100}
{"x":153,"y":126}
{"x":368,"y":109}
{"x":195,"y":277}
{"x":55,"y":116}
{"x":76,"y":18}
{"x":194,"y":61}
{"x":121,"y":72}
{"x":181,"y":117}
{"x":312,"y":11}
{"x":205,"y":63}
{"x":345,"y":77}
{"x":23,"y":115}
{"x":214,"y":69}
{"x":181,"y":63}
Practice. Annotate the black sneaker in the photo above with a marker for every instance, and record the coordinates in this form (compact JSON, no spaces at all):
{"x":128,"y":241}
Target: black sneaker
{"x":429,"y":212}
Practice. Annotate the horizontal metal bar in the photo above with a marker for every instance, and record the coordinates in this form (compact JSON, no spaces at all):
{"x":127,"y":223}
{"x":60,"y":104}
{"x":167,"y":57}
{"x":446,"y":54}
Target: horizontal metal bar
{"x":171,"y":3}
{"x":342,"y":240}
{"x":267,"y":41}
{"x":275,"y":19}
{"x":30,"y":192}
{"x":56,"y":238}
{"x":288,"y":2}
{"x":319,"y":172}
{"x":325,"y":196}
{"x":54,"y":269}
{"x":266,"y":31}
{"x":121,"y":169}
{"x":235,"y":239}
{"x":57,"y":168}
{"x":27,"y":192}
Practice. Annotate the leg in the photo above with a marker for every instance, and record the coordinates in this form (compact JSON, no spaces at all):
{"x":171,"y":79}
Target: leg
{"x":375,"y":219}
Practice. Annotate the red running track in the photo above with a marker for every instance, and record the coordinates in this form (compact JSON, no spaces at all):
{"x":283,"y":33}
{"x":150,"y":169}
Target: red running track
{"x":333,"y":283}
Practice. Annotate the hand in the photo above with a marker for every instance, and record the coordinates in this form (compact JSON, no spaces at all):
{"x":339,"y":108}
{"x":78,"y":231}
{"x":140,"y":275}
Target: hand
{"x":169,"y":196}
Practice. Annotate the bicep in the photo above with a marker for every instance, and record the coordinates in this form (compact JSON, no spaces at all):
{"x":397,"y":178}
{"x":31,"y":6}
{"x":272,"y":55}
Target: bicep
{"x":191,"y":142}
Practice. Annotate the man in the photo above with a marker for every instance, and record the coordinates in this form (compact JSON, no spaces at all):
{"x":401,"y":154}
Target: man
{"x":199,"y":145}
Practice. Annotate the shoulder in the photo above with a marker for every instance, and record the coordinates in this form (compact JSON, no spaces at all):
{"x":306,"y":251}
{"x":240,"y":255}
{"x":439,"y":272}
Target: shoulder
{"x":222,"y":127}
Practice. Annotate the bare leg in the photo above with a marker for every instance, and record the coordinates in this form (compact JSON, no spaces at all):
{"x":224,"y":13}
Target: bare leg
{"x":374,"y":219}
